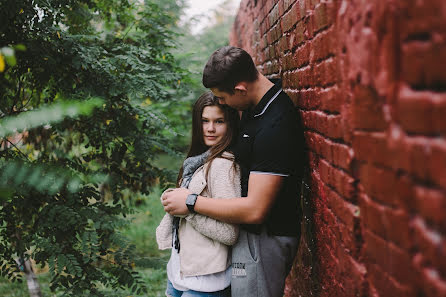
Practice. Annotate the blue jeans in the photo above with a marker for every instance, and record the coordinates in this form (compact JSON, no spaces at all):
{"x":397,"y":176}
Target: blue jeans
{"x":172,"y":292}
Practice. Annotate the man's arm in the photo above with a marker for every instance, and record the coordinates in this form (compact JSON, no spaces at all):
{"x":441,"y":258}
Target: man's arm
{"x":262,"y":192}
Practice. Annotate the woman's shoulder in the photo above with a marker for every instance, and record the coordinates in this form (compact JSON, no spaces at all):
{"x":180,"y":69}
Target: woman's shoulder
{"x":221,"y":163}
{"x":226,"y":158}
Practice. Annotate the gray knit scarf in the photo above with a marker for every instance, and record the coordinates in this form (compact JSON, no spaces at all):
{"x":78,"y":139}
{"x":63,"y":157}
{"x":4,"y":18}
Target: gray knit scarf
{"x":190,"y":165}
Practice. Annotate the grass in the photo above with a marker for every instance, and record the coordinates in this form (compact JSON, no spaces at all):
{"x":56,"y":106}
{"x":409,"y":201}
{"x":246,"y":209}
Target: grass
{"x":140,"y":232}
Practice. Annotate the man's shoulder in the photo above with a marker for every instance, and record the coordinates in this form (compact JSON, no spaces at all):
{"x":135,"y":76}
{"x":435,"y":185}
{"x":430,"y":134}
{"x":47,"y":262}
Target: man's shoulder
{"x":282,"y":109}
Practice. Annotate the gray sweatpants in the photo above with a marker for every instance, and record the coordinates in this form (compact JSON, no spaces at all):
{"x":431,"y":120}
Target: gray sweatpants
{"x":261,"y":263}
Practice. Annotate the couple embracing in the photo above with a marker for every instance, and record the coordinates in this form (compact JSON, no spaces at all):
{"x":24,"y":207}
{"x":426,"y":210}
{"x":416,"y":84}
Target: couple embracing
{"x":233,"y":223}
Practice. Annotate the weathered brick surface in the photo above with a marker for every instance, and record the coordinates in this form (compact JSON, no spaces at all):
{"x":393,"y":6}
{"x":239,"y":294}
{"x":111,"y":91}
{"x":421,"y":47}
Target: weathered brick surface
{"x":368,"y":79}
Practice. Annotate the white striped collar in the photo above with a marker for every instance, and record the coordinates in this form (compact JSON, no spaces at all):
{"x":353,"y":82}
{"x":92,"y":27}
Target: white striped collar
{"x":269,"y":102}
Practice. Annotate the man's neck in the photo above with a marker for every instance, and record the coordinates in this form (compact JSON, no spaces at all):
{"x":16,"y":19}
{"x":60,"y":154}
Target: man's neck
{"x":259,"y":88}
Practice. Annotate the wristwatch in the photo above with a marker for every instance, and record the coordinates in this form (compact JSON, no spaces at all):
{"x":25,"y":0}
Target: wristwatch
{"x":190,"y":202}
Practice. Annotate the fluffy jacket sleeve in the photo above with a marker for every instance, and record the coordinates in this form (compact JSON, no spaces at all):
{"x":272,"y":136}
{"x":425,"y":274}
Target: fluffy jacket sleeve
{"x":164,"y":229}
{"x":223,"y":182}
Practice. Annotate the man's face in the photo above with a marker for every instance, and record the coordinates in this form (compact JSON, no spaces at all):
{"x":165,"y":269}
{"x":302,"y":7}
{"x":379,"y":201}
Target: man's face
{"x":237,"y":100}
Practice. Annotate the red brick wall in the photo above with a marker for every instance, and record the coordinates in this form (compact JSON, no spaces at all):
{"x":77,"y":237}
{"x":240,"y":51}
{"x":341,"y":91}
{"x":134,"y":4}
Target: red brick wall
{"x":369,"y":78}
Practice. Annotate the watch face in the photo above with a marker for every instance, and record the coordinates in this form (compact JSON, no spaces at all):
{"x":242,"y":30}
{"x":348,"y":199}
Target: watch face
{"x":190,"y":201}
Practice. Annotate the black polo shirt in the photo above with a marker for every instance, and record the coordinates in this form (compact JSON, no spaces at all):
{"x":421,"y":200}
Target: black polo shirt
{"x":271,"y":142}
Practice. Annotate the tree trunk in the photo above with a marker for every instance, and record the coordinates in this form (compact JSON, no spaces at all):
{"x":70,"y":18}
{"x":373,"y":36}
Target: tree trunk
{"x":31,"y":278}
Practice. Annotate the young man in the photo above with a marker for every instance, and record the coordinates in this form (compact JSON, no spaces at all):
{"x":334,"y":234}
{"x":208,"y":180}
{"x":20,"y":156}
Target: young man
{"x":270,"y":153}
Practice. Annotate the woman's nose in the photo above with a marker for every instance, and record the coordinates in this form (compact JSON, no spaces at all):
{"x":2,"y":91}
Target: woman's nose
{"x":211,"y":127}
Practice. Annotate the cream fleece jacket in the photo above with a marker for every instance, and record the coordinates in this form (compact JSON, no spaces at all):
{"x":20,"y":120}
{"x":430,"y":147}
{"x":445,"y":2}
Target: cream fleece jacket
{"x":204,"y":241}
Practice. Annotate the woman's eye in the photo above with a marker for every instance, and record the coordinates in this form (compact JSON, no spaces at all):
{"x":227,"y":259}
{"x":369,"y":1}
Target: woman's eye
{"x":220,"y":121}
{"x":204,"y":120}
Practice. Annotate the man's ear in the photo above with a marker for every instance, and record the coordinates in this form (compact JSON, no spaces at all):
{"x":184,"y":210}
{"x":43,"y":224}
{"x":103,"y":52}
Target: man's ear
{"x":241,"y":87}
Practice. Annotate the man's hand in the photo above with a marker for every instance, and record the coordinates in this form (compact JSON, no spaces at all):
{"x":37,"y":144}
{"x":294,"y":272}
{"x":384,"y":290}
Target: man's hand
{"x":175,"y":201}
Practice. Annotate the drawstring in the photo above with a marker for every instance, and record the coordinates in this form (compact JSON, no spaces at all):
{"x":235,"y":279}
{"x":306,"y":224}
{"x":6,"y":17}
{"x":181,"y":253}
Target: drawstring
{"x":175,"y":237}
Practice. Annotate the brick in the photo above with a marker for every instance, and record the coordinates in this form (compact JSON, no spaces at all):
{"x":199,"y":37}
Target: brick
{"x":298,"y":35}
{"x":338,"y":154}
{"x":290,"y":80}
{"x":414,"y":154}
{"x":290,"y":19}
{"x":432,"y":245}
{"x":390,"y":224}
{"x":308,"y":99}
{"x":367,"y":109}
{"x":264,"y":28}
{"x":328,"y":268}
{"x":282,"y":47}
{"x":328,"y":125}
{"x":437,"y":162}
{"x":337,"y":234}
{"x":372,"y":147}
{"x":324,"y":45}
{"x":343,"y":183}
{"x":302,"y":7}
{"x":331,"y":99}
{"x":287,"y":81}
{"x":371,"y":214}
{"x":379,"y":183}
{"x":327,"y":234}
{"x":421,"y":111}
{"x":431,"y":205}
{"x":347,"y":215}
{"x":269,"y":5}
{"x":324,"y":16}
{"x":422,"y":64}
{"x":281,"y":8}
{"x":391,"y":259}
{"x":274,"y":34}
{"x":405,"y":192}
{"x":287,"y":4}
{"x":270,"y":52}
{"x":325,"y":73}
{"x":421,"y":18}
{"x":271,"y":67}
{"x":423,"y":157}
{"x":384,"y":285}
{"x":302,"y":55}
{"x":433,"y":285}
{"x":302,"y":77}
{"x":274,"y":15}
{"x":345,"y":211}
{"x":287,"y":59}
{"x":352,"y":275}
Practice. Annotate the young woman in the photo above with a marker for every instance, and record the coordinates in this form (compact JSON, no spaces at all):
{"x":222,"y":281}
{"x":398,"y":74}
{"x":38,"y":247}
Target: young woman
{"x":200,"y":262}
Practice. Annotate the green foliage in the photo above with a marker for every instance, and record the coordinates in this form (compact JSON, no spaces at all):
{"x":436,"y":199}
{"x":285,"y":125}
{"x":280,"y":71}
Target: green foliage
{"x":57,"y":144}
{"x":47,"y":115}
{"x":149,"y":261}
{"x":196,"y":48}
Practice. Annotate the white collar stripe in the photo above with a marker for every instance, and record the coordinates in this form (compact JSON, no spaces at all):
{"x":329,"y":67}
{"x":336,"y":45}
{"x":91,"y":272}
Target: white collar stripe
{"x":269,"y":102}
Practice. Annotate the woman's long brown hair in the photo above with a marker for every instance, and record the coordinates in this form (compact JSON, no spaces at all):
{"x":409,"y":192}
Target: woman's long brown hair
{"x":198,"y":146}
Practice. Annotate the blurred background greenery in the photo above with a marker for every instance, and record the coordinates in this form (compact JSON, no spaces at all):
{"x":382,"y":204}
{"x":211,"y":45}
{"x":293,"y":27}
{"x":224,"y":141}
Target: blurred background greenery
{"x":95,"y":112}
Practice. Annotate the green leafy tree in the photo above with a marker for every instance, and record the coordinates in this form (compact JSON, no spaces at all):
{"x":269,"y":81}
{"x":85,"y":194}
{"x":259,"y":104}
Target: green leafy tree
{"x":70,"y":161}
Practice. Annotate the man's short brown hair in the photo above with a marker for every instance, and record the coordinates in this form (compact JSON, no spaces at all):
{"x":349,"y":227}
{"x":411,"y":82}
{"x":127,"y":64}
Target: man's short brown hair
{"x":227,"y":67}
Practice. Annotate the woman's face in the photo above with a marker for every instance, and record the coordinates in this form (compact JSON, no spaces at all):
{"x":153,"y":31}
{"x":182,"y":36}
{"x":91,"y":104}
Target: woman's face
{"x":214,"y":125}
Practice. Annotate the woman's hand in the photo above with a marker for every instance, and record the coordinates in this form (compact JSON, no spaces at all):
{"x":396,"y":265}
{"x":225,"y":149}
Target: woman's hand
{"x":175,"y":201}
